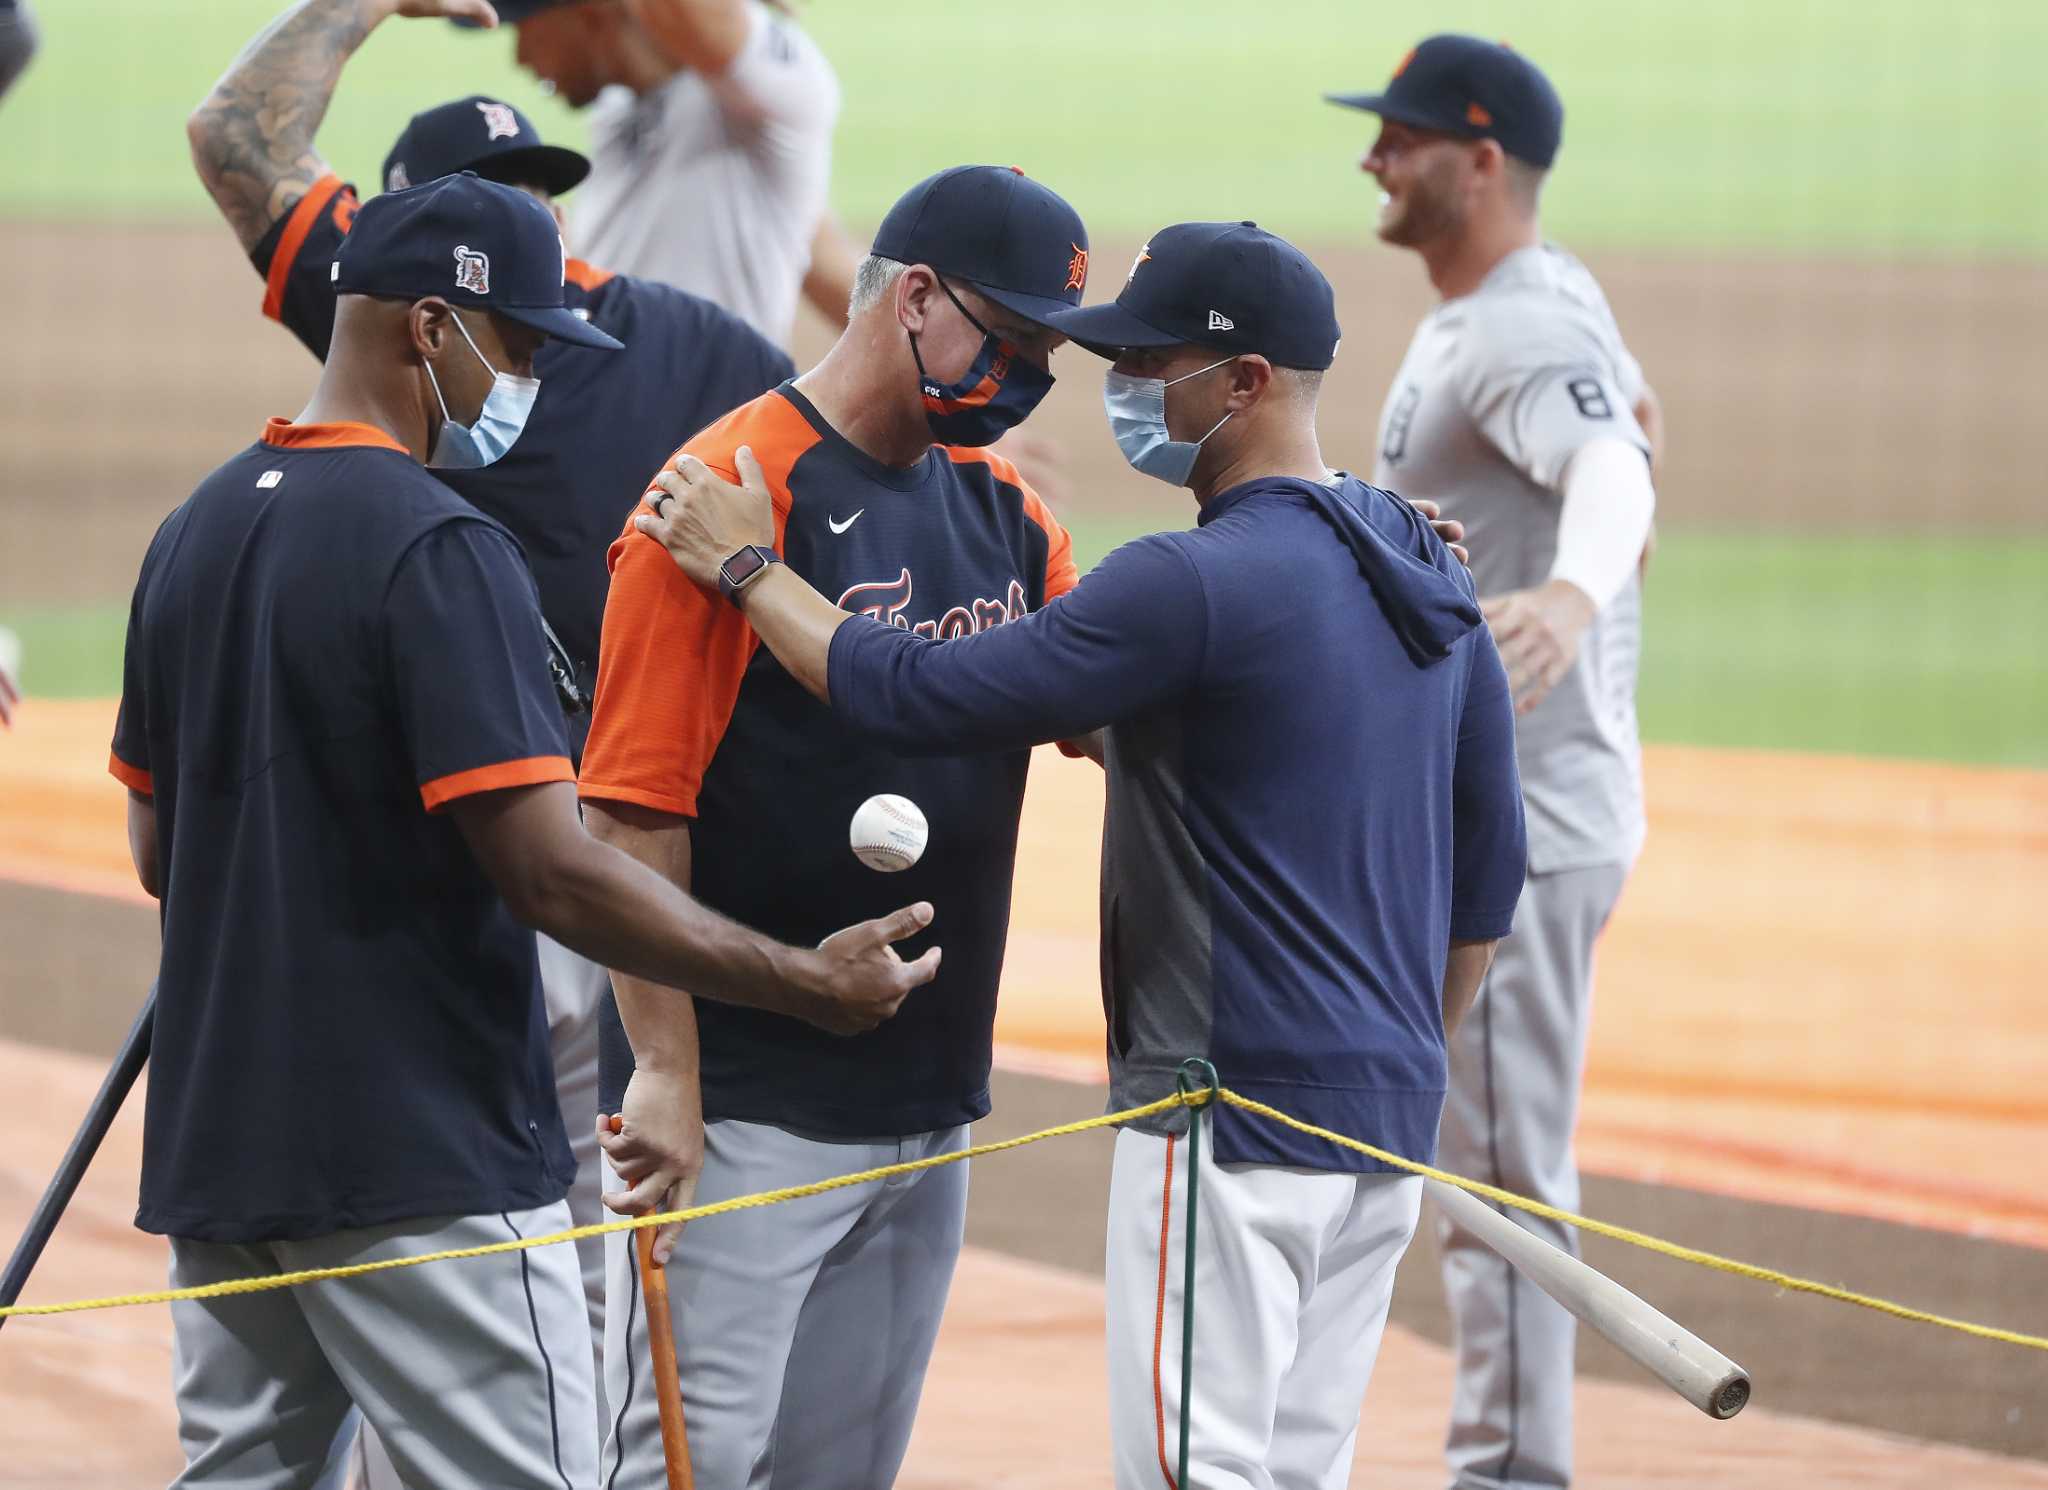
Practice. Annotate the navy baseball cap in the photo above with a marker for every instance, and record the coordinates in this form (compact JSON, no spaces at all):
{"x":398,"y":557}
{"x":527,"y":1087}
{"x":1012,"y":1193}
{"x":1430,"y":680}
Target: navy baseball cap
{"x":472,"y":242}
{"x":1017,"y":242}
{"x":1228,"y":285}
{"x":1482,"y":90}
{"x":483,"y":135}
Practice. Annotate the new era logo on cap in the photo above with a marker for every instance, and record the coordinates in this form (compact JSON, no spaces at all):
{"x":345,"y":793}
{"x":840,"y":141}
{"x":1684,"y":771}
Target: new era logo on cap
{"x":1220,"y":322}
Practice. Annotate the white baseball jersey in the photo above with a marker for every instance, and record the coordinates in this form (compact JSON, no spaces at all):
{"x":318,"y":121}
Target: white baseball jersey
{"x":1500,"y":388}
{"x":716,"y":184}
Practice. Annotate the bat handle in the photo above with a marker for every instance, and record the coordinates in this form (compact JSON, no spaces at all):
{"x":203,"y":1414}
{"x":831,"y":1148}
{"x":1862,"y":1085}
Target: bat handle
{"x":668,"y":1383}
{"x":661,"y":1342}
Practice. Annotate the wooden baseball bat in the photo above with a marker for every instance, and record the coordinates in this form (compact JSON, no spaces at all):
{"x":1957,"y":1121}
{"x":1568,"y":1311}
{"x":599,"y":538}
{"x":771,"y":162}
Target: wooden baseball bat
{"x":1667,"y":1350}
{"x":661,"y":1344}
{"x":99,"y":1118}
{"x":668,"y":1381}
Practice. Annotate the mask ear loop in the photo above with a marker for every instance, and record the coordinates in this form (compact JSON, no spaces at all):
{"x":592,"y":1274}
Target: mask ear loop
{"x":917,"y":356}
{"x":434,"y":436}
{"x":1196,"y":374}
{"x":457,"y":316}
{"x":972,"y":319}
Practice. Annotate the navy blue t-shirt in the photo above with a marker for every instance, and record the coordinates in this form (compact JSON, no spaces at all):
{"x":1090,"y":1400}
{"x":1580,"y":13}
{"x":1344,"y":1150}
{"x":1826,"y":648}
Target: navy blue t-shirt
{"x":695,"y":719}
{"x":604,"y":420}
{"x":326,"y":647}
{"x":1312,"y":790}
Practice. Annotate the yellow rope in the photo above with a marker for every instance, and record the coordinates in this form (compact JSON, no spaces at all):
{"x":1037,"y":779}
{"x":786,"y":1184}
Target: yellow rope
{"x":1115,"y":1119}
{"x":577,"y":1233}
{"x":1641,"y":1239}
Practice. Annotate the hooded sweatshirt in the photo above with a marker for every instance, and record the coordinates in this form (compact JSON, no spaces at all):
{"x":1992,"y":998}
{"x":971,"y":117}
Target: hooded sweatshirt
{"x":1311,"y":792}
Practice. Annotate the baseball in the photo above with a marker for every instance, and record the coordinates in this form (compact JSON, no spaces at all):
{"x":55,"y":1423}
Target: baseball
{"x":888,"y":833}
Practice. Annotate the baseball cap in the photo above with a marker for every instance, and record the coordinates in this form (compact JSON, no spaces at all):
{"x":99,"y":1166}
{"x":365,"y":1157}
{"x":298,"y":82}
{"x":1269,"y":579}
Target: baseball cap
{"x":1228,"y":285}
{"x":474,"y":243}
{"x":1015,"y":241}
{"x":483,"y":135}
{"x":1482,"y":90}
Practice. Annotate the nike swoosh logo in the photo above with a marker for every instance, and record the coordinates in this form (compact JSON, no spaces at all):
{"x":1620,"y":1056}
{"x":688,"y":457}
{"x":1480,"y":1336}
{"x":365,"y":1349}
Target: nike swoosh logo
{"x":837,"y":526}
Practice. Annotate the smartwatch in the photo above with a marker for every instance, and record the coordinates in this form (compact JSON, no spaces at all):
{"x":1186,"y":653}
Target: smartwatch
{"x":742,"y":567}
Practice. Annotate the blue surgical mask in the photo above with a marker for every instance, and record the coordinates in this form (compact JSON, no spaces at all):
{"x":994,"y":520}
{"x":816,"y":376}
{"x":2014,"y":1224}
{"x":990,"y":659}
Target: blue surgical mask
{"x":992,"y":397}
{"x":1137,"y":417}
{"x":471,"y":447}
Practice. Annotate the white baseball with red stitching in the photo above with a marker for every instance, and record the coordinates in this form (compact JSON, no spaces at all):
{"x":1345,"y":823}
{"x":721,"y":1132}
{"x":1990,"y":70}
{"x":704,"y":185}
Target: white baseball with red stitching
{"x":888,"y":833}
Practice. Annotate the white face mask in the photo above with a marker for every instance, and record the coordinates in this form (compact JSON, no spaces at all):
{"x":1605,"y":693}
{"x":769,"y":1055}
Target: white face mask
{"x":471,"y":447}
{"x":1137,"y":417}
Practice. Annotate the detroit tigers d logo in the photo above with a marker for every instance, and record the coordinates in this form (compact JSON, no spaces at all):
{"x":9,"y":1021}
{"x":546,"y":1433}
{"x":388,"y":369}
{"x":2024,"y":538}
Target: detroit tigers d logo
{"x":472,"y":270}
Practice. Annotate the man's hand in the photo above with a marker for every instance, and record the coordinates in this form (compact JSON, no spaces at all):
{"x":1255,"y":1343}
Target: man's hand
{"x":1447,"y":528}
{"x":252,"y":136}
{"x":1538,"y":632}
{"x":862,"y":980}
{"x":703,"y":519}
{"x":656,"y":1144}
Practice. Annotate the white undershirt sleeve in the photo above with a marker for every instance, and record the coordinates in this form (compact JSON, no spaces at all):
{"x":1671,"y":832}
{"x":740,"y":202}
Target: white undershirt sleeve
{"x":1608,"y":504}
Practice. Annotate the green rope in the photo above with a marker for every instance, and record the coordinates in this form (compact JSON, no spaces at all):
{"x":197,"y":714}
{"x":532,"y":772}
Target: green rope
{"x":1195,"y":1075}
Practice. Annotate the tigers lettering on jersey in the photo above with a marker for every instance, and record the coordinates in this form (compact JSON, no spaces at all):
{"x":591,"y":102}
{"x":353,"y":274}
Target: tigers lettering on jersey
{"x":886,"y":602}
{"x":693,"y":719}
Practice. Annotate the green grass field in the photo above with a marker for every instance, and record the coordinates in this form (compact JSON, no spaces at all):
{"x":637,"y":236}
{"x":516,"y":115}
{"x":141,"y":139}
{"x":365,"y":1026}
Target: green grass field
{"x":1852,"y":126}
{"x":1805,"y":127}
{"x":1865,"y":646}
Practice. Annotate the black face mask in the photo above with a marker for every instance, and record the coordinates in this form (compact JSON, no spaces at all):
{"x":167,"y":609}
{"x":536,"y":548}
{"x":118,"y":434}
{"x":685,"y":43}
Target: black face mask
{"x":995,"y":394}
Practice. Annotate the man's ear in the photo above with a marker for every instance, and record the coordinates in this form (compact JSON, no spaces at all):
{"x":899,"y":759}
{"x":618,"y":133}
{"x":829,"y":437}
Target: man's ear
{"x":916,"y":288}
{"x":1489,"y":161}
{"x":427,"y":325}
{"x":1250,"y":377}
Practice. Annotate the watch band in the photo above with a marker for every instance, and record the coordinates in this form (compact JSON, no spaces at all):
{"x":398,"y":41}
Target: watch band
{"x":742,"y":567}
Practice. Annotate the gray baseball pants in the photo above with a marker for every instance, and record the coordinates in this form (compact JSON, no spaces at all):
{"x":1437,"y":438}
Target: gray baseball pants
{"x":1516,"y":1066}
{"x":802,"y":1330}
{"x":474,"y":1372}
{"x":572,"y":985}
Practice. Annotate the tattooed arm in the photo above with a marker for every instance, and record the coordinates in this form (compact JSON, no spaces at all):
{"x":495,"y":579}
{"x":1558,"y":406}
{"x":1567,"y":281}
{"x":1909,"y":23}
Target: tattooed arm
{"x":252,"y":137}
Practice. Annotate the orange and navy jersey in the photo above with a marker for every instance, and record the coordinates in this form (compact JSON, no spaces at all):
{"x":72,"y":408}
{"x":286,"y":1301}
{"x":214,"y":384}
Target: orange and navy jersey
{"x":693,"y":717}
{"x":326,"y":647}
{"x":603,"y":419}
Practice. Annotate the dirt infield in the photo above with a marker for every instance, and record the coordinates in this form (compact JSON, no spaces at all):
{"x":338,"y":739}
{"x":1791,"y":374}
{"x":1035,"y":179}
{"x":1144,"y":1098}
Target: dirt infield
{"x":1785,"y":1010}
{"x":1015,"y":1396}
{"x":1860,"y":394}
{"x":1768,"y":1056}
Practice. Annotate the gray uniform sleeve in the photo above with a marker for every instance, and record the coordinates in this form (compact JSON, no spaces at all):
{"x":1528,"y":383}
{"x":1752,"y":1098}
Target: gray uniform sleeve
{"x":780,"y":82}
{"x":1541,"y":378}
